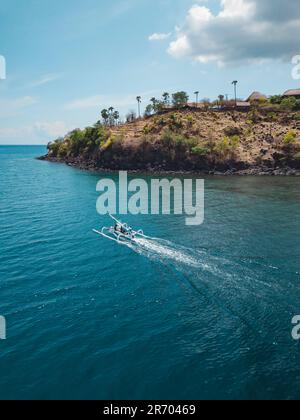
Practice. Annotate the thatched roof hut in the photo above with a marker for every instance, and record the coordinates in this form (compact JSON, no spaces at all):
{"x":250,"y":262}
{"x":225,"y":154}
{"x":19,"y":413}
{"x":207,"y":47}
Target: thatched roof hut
{"x":292,"y":92}
{"x":256,"y":97}
{"x":243,"y":105}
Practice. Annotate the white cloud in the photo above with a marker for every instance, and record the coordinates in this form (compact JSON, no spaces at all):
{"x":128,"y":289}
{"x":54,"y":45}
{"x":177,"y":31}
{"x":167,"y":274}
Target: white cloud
{"x":181,"y":47}
{"x":45,"y":79}
{"x":237,"y":8}
{"x":85,"y":103}
{"x":242,"y":31}
{"x":51,"y":129}
{"x":8,"y":133}
{"x":159,"y":36}
{"x":36,"y":133}
{"x":11,"y":107}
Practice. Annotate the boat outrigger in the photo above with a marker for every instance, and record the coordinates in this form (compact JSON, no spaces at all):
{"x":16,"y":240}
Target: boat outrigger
{"x":120,"y":232}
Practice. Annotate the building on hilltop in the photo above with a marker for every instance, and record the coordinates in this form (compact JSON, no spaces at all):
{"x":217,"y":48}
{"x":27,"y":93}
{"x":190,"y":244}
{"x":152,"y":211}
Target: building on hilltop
{"x":292,"y":93}
{"x":257,"y":97}
{"x":243,"y":105}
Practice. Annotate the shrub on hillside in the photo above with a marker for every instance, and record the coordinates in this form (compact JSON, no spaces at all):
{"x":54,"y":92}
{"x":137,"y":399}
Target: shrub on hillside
{"x":297,"y":155}
{"x":227,"y":147}
{"x":297,"y":105}
{"x":232,"y":131}
{"x":63,"y":150}
{"x":53,"y":147}
{"x":290,"y":137}
{"x":180,"y":99}
{"x":200,"y":150}
{"x":276,"y":99}
{"x":288,"y":104}
{"x":175,"y":122}
{"x":172,"y":139}
{"x":80,"y":142}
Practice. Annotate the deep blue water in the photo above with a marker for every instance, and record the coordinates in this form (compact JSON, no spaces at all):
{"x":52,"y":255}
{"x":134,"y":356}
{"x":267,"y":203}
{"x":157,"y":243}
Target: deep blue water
{"x":206,"y":313}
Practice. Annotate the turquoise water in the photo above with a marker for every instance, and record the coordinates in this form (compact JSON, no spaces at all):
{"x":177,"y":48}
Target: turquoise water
{"x":202,"y":313}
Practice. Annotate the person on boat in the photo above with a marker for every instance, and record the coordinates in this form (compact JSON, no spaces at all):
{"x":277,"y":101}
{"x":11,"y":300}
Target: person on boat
{"x":120,"y":229}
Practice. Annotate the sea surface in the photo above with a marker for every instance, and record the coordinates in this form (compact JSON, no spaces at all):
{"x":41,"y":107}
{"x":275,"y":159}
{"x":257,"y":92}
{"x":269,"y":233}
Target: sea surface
{"x":198,"y":313}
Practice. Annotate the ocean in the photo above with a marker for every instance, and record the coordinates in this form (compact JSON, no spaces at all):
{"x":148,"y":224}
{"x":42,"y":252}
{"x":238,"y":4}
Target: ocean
{"x":199,"y":313}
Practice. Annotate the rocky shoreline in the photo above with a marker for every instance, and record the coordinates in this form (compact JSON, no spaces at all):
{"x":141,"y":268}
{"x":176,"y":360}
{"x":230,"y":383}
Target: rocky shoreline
{"x":247,"y":171}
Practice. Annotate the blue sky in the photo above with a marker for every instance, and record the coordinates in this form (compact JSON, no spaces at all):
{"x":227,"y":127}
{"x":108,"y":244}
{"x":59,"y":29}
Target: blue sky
{"x":66,"y":60}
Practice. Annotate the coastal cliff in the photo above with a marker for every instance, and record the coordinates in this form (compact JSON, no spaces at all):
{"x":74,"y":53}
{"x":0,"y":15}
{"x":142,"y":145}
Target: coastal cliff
{"x":211,"y":142}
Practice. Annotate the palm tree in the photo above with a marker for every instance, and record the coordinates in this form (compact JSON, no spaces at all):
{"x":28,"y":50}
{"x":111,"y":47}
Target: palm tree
{"x":148,"y":110}
{"x":180,"y":99}
{"x":105,"y":115}
{"x":221,"y":100}
{"x":197,"y":97}
{"x":166,"y":98}
{"x":154,"y":103}
{"x":235,"y":82}
{"x":111,"y":115}
{"x":139,"y":100}
{"x":116,"y":116}
{"x":131,"y":116}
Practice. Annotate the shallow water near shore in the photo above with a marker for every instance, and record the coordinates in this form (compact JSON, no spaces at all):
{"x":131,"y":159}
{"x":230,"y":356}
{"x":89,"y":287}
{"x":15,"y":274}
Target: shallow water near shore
{"x":199,"y":313}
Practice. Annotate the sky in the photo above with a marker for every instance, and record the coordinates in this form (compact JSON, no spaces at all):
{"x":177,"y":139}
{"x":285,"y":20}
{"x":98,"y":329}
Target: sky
{"x":67,"y":60}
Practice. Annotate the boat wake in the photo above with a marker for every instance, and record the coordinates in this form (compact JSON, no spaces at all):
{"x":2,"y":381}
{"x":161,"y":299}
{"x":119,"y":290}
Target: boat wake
{"x":154,"y":248}
{"x":234,"y":288}
{"x":158,"y":249}
{"x":215,"y":280}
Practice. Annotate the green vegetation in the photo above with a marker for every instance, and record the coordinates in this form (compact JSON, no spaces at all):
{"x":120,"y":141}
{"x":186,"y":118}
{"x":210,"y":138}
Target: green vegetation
{"x":213,"y":149}
{"x":81,"y":142}
{"x":289,"y":104}
{"x":227,"y":147}
{"x":110,"y":116}
{"x":131,"y":117}
{"x":232,"y":131}
{"x":296,"y":117}
{"x":201,"y":150}
{"x":180,"y":99}
{"x":285,"y":104}
{"x":272,"y":116}
{"x":297,"y":155}
{"x":166,"y":98}
{"x":148,"y":110}
{"x":290,"y":137}
{"x":176,"y":101}
{"x":172,"y":139}
{"x":276,"y":99}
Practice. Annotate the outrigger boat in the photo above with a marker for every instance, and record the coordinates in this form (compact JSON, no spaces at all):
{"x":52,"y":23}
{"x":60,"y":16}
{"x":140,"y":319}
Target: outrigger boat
{"x":120,"y":232}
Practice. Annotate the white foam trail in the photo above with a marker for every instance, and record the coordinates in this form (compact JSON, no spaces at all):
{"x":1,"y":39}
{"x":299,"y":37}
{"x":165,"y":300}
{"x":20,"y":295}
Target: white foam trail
{"x":155,"y":249}
{"x":161,"y":249}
